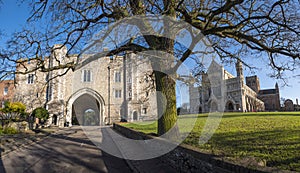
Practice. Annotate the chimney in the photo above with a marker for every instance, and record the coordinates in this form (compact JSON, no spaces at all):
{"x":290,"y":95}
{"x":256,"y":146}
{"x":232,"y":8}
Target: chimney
{"x":297,"y":102}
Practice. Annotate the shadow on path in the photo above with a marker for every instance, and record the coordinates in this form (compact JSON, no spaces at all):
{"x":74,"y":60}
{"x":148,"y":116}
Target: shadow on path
{"x":72,"y":151}
{"x":2,"y":170}
{"x":67,"y":152}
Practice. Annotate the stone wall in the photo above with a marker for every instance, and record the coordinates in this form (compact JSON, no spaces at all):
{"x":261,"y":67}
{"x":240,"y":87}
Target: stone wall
{"x":272,"y":102}
{"x":186,"y":158}
{"x":6,"y":96}
{"x":20,"y":126}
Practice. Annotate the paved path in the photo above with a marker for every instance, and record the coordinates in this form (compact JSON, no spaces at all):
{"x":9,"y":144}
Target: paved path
{"x":69,"y":150}
{"x":9,"y":143}
{"x":64,"y":152}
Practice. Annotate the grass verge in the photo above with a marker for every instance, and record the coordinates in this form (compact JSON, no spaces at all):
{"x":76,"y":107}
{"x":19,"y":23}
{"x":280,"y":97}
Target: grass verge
{"x":273,"y":137}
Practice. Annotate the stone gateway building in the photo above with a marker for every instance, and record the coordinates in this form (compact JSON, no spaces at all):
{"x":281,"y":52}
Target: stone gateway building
{"x":6,"y":91}
{"x":232,"y":93}
{"x":102,"y":91}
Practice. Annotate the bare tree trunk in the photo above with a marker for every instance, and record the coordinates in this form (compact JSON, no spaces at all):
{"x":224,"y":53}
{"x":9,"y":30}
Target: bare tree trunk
{"x":165,"y":83}
{"x":166,"y":106}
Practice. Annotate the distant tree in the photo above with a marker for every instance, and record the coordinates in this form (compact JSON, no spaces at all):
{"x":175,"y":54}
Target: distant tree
{"x":234,"y":28}
{"x":282,"y":100}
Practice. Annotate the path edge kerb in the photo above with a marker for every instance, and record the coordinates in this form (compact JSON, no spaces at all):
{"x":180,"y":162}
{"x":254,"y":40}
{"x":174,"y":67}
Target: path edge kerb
{"x":214,"y":162}
{"x":133,"y":168}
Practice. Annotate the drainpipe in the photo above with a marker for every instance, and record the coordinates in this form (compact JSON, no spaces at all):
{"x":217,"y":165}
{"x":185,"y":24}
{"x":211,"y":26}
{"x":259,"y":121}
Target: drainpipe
{"x":125,"y":106}
{"x":108,"y":102}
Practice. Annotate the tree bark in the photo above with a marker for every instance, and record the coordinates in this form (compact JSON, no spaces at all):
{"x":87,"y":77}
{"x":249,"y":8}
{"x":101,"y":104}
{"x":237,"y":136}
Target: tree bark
{"x":166,"y":104}
{"x":165,"y":83}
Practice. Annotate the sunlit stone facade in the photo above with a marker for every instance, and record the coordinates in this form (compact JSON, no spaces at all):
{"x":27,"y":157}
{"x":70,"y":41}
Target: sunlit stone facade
{"x":232,"y":93}
{"x":101,"y":90}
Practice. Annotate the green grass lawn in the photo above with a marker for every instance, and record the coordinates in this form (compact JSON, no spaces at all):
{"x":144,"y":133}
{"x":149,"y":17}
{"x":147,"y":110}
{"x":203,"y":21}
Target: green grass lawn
{"x":270,"y":136}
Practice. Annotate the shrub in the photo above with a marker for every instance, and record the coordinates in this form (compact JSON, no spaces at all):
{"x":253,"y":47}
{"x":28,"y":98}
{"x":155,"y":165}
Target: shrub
{"x":41,"y":113}
{"x":13,"y":111}
{"x":10,"y":130}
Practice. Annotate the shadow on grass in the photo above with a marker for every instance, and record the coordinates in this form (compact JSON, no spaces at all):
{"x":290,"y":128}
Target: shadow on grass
{"x":239,"y":114}
{"x":280,"y":148}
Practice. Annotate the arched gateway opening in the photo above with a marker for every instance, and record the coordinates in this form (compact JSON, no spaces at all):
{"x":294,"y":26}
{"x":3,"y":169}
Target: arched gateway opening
{"x":85,"y":107}
{"x":229,"y":106}
{"x":135,"y":116}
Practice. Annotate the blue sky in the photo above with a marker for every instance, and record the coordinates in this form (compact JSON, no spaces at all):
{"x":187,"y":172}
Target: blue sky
{"x":13,"y":18}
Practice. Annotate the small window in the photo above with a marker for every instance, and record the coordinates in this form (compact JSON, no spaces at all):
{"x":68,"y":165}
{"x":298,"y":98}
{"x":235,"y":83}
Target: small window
{"x":49,"y":93}
{"x":30,"y":78}
{"x":129,"y":94}
{"x":118,"y":93}
{"x":144,"y":111}
{"x":117,"y":76}
{"x":87,"y":76}
{"x":5,"y":91}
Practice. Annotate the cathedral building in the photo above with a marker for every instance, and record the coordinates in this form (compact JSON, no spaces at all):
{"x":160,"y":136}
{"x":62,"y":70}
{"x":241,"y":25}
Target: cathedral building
{"x":222,"y":91}
{"x":99,"y":91}
{"x":270,"y":97}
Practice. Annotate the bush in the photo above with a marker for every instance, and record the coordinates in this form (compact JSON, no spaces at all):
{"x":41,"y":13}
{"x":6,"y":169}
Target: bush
{"x":13,"y":111}
{"x":41,"y":113}
{"x":24,"y":116}
{"x":10,"y":130}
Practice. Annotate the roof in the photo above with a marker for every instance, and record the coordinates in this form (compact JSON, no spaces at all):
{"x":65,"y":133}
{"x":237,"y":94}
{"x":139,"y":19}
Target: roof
{"x":6,"y":82}
{"x":267,"y":91}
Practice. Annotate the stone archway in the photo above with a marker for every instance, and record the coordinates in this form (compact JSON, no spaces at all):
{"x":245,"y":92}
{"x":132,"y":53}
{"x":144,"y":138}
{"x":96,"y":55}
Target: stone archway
{"x":54,"y":120}
{"x":134,"y":116}
{"x":85,"y":107}
{"x":199,"y":109}
{"x":229,"y":106}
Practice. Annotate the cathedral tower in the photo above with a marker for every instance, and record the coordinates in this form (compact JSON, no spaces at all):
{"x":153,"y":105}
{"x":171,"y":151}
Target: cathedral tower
{"x":253,"y":83}
{"x":239,"y":69}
